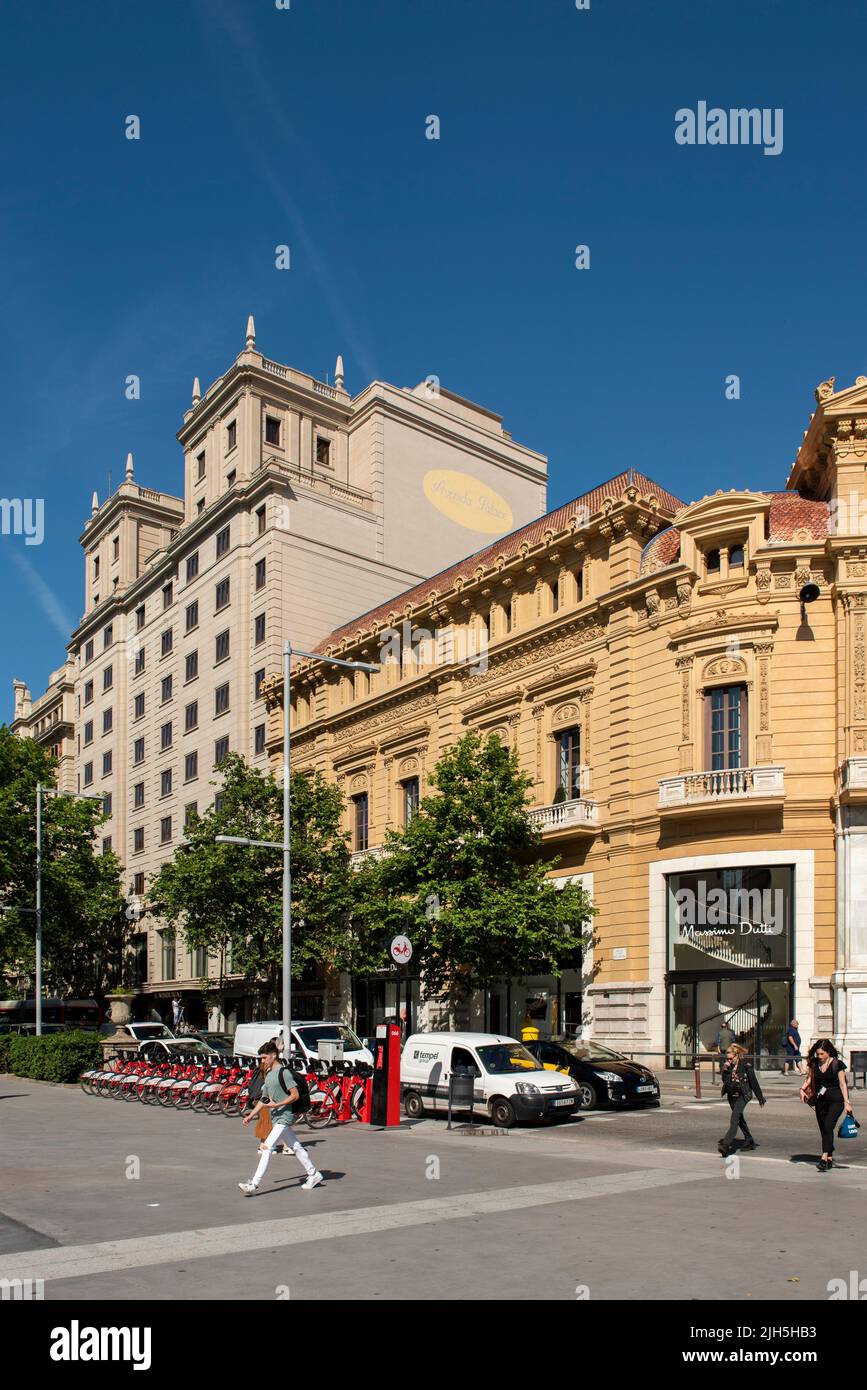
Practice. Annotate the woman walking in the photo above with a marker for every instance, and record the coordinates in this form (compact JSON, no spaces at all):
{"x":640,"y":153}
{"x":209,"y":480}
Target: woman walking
{"x":739,"y":1085}
{"x":826,"y":1089}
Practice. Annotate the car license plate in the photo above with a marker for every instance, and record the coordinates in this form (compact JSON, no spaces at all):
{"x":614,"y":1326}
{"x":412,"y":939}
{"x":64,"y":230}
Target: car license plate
{"x":646,"y":1088}
{"x":570,"y":1100}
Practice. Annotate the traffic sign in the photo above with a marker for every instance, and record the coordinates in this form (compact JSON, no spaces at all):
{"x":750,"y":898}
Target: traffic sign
{"x":401,"y":949}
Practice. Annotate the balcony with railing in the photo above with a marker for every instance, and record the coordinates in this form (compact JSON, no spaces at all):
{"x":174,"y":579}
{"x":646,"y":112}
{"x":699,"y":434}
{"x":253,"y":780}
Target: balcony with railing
{"x":731,"y":786}
{"x":359,"y":856}
{"x":853,"y":779}
{"x":578,"y":816}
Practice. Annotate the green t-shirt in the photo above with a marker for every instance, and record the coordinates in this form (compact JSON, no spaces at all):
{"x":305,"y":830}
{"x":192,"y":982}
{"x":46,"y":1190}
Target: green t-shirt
{"x":273,"y":1089}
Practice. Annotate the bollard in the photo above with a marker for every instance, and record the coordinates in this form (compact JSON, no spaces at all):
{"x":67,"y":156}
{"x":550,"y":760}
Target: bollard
{"x":697,"y":1079}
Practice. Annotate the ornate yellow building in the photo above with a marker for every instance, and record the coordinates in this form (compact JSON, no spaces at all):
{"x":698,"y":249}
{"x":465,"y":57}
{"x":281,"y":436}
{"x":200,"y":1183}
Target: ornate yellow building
{"x":686,"y":687}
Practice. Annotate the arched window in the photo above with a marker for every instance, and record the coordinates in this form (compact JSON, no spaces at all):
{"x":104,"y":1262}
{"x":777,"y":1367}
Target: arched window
{"x":736,"y":557}
{"x":713,"y":562}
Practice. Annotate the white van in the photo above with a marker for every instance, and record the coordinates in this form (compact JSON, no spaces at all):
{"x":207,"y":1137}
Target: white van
{"x":509,"y":1083}
{"x":306,"y":1037}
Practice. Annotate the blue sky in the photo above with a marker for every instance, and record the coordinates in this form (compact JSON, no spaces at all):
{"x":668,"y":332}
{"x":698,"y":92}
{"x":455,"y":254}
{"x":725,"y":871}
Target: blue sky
{"x":411,"y":256}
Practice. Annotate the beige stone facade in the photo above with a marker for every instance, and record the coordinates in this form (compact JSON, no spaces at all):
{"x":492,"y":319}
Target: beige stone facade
{"x":301,"y":504}
{"x":695,"y":674}
{"x":50,"y":719}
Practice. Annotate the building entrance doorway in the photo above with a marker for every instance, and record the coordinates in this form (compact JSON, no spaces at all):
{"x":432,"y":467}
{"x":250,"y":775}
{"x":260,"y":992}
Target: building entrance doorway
{"x":755,"y":1010}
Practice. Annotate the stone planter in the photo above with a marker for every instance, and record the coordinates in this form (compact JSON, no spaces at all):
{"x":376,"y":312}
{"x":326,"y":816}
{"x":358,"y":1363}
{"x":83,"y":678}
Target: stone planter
{"x":119,"y":1007}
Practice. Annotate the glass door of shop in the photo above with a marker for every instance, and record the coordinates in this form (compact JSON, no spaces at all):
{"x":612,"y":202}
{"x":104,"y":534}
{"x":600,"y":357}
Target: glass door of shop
{"x":755,"y":1011}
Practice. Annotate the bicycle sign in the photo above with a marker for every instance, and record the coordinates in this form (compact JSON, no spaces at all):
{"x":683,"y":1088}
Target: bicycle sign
{"x":401,"y":949}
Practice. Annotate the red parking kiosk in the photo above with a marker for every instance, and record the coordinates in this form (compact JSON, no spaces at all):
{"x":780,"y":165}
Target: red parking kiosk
{"x":385,"y":1100}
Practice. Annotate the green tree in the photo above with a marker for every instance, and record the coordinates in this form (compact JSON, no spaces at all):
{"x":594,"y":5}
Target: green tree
{"x":229,"y":897}
{"x":472,"y":844}
{"x":84,"y":928}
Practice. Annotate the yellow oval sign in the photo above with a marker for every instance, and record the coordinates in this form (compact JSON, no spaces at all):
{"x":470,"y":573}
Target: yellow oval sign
{"x":470,"y":503}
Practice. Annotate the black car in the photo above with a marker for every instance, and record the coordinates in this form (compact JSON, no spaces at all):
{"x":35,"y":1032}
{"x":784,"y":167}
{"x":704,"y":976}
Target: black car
{"x":603,"y":1077}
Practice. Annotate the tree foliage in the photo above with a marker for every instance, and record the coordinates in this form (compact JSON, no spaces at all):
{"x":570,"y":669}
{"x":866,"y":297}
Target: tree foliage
{"x":473,"y":846}
{"x":229,"y":897}
{"x":84,"y":928}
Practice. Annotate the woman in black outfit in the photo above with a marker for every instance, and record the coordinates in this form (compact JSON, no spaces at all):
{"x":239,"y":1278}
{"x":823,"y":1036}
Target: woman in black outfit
{"x":739,"y":1085}
{"x":826,"y":1088}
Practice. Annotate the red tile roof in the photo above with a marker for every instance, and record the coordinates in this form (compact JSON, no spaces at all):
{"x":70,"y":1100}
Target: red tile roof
{"x":589,"y":503}
{"x":789,"y":514}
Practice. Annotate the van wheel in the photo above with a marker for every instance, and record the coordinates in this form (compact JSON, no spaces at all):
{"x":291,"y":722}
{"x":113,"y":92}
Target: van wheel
{"x":587,"y":1097}
{"x":413,"y":1106}
{"x":502,"y":1114}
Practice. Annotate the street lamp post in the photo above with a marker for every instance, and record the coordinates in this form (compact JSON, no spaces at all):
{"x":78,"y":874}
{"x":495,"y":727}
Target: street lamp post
{"x":285,"y":846}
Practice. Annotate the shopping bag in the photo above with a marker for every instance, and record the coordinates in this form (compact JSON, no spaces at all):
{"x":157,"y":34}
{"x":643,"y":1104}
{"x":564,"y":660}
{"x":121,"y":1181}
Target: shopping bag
{"x":848,"y":1128}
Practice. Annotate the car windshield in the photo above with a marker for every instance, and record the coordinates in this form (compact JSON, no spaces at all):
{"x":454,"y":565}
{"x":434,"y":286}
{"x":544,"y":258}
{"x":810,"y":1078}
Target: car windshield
{"x":501,"y":1058}
{"x":145,"y":1031}
{"x":187,"y":1049}
{"x":315,"y":1033}
{"x":594,"y":1052}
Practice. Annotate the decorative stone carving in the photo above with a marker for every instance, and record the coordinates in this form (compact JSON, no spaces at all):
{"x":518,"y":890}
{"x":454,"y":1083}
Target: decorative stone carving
{"x":407,"y":767}
{"x":651,"y":600}
{"x":763,"y":584}
{"x":825,"y":389}
{"x":782,"y":581}
{"x":359,"y":782}
{"x":684,"y":596}
{"x":566,"y":714}
{"x":720,"y":666}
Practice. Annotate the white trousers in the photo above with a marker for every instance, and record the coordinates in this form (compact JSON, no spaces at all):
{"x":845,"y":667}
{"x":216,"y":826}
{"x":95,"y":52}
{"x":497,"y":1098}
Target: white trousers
{"x":286,"y":1135}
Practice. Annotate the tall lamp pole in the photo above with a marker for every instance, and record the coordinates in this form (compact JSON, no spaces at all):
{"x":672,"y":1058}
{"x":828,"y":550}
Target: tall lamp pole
{"x":288,"y":652}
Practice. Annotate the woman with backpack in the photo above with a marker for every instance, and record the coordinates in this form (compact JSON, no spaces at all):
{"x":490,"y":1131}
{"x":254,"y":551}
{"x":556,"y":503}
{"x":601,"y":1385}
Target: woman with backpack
{"x":739,"y":1085}
{"x":280,"y":1092}
{"x":825,"y":1088}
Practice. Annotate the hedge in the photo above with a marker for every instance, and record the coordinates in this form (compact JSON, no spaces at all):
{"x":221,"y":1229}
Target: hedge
{"x":55,"y":1057}
{"x":5,"y":1044}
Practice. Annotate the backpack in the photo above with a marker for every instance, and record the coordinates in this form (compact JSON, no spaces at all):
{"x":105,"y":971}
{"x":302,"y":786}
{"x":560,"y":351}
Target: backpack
{"x":297,"y":1082}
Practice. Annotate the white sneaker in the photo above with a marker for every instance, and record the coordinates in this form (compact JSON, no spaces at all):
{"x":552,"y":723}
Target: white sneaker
{"x":313,"y":1181}
{"x":248,"y":1188}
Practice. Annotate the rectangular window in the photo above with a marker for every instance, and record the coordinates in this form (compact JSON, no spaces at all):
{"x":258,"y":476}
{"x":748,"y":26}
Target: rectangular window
{"x":139,"y":617}
{"x":199,"y":963}
{"x":579,"y":584}
{"x":107,"y":720}
{"x":569,"y":764}
{"x":191,"y":767}
{"x":360,"y":805}
{"x":221,"y":647}
{"x":165,"y":736}
{"x":200,"y":506}
{"x":139,"y":706}
{"x":222,"y":594}
{"x":166,"y":642}
{"x":192,"y":566}
{"x":200,"y":467}
{"x":107,"y":636}
{"x":115,"y":547}
{"x":88,"y":651}
{"x":260,"y":574}
{"x":260,"y":521}
{"x":231,"y":436}
{"x":166,"y":782}
{"x":257,"y":684}
{"x":106,"y":764}
{"x":221,"y":699}
{"x":88,"y":732}
{"x":139,"y":661}
{"x":138,"y":793}
{"x":230,"y":478}
{"x":192,"y":616}
{"x":191,"y":666}
{"x":259,"y":739}
{"x":88,"y":692}
{"x":88,"y":774}
{"x":727,"y":726}
{"x":106,"y":844}
{"x":165,"y":689}
{"x":106,"y":804}
{"x":191,"y":716}
{"x":222,"y":541}
{"x":555,"y":595}
{"x":272,"y":430}
{"x":168,"y":594}
{"x":165,"y":830}
{"x":323,"y":451}
{"x":221,"y":751}
{"x":138,"y":840}
{"x":108,"y":678}
{"x":410,"y":799}
{"x":259,"y":629}
{"x":96,"y":567}
{"x":191,"y":810}
{"x":167,"y":961}
{"x":218,"y":802}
